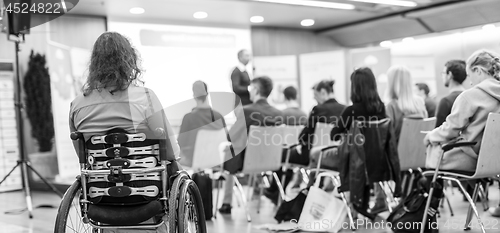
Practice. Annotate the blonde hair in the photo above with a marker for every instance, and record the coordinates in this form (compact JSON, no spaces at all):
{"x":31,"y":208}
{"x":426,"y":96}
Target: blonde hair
{"x":401,"y":90}
{"x":485,"y":60}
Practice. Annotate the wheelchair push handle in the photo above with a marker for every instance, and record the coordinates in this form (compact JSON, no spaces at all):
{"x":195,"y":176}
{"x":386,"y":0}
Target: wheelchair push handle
{"x":76,"y":135}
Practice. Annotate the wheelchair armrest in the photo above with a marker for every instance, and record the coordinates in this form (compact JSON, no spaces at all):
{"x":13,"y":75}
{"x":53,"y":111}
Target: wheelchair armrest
{"x":328,"y":148}
{"x":451,"y":145}
{"x":77,"y":136}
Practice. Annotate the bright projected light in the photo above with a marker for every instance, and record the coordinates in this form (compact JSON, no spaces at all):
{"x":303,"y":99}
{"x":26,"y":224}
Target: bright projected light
{"x":137,"y":10}
{"x":489,"y":27}
{"x":200,"y":15}
{"x":307,"y":22}
{"x":386,"y":44}
{"x":174,"y":57}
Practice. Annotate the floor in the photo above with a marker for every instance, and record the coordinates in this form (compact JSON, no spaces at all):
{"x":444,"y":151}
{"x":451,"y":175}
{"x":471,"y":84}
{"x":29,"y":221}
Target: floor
{"x":18,"y":222}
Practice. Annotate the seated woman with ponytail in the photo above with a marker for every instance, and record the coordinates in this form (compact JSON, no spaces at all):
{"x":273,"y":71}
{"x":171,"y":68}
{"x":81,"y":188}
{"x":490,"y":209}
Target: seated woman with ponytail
{"x":469,"y":113}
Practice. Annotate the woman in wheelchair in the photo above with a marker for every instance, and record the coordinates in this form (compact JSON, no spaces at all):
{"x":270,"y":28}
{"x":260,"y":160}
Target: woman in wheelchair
{"x":469,"y":113}
{"x":130,"y":180}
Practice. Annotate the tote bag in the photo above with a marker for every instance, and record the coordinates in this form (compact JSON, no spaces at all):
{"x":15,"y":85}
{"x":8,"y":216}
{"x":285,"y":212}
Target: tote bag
{"x":322,"y":211}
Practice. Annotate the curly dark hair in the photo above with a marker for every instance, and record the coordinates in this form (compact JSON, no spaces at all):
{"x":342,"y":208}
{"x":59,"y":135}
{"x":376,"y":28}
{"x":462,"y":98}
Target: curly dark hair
{"x":113,"y":63}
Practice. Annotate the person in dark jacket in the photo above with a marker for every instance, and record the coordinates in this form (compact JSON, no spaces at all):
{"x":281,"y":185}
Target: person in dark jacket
{"x":453,"y":75}
{"x":240,"y":79}
{"x":367,"y":106}
{"x":328,"y":110}
{"x":259,"y":113}
{"x":292,"y":113}
{"x":201,"y":117}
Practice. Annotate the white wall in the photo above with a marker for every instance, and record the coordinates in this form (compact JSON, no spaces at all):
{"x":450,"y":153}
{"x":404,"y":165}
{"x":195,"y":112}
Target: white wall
{"x":176,"y":56}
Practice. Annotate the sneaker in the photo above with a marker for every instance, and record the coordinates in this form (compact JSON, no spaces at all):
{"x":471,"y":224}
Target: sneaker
{"x":378,"y":208}
{"x":495,"y":212}
{"x":225,"y":209}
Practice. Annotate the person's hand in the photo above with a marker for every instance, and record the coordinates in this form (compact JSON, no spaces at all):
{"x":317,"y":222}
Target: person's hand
{"x":427,"y":142}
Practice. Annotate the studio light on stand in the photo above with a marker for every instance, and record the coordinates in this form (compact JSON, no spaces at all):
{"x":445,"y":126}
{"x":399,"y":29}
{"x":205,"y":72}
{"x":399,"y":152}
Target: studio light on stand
{"x":16,"y":26}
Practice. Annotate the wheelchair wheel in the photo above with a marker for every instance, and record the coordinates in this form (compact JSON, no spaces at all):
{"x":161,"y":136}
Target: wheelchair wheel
{"x":191,"y":215}
{"x":173,"y":201}
{"x":69,"y":215}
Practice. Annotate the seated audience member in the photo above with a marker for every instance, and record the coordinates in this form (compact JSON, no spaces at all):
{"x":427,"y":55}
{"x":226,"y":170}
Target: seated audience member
{"x":258,"y":113}
{"x":403,"y":104}
{"x":328,"y":110}
{"x":367,"y":106}
{"x":292,"y":113}
{"x":470,"y":111}
{"x":201,"y":117}
{"x":453,"y":76}
{"x":430,"y":103}
{"x":113,"y":97}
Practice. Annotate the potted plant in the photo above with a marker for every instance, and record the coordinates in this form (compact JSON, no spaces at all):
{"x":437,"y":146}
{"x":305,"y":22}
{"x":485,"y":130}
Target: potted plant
{"x":38,"y":105}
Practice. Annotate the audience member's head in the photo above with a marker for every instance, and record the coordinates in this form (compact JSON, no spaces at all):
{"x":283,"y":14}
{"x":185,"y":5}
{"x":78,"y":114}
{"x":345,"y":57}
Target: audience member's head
{"x":323,"y":91}
{"x":364,"y":90}
{"x":113,"y":63}
{"x":200,"y":92}
{"x":401,"y":89}
{"x":423,"y":90}
{"x":290,"y":93}
{"x":454,"y":72}
{"x":244,"y":56}
{"x":260,"y":88}
{"x":483,"y":64}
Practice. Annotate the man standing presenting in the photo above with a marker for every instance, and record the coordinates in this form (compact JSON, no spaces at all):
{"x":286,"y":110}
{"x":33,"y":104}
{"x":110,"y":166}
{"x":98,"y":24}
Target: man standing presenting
{"x":240,"y":79}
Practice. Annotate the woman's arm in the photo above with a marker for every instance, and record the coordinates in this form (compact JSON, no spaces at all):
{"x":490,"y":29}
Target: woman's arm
{"x":343,"y":123}
{"x":458,"y":119}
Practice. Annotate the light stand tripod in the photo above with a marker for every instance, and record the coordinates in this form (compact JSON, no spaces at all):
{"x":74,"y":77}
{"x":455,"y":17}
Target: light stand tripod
{"x":23,"y":162}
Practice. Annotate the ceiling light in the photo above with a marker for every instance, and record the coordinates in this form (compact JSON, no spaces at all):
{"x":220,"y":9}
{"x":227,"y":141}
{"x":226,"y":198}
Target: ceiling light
{"x":312,"y":3}
{"x":257,"y":19}
{"x":390,"y":2}
{"x":307,"y":22}
{"x":489,"y":27}
{"x":386,"y":44}
{"x":200,"y":15}
{"x":137,"y":10}
{"x":408,"y":39}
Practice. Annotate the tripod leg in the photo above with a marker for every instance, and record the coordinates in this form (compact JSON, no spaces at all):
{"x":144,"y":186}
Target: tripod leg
{"x":27,"y":191}
{"x":51,"y":186}
{"x":8,"y":174}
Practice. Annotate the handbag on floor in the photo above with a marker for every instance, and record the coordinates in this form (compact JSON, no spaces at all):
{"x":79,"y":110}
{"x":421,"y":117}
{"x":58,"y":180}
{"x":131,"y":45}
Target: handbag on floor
{"x":322,"y":212}
{"x":407,"y":216}
{"x":204,"y":183}
{"x":290,"y":210}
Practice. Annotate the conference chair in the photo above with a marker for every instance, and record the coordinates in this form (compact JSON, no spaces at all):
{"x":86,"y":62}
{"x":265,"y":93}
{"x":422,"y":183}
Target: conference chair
{"x":262,"y":155}
{"x":208,"y":153}
{"x":488,"y":164}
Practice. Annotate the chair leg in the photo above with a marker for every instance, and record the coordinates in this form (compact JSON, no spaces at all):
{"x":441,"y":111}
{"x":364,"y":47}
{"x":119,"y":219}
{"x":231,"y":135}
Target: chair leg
{"x":472,"y":205}
{"x":484,"y":197}
{"x":305,"y":175}
{"x":449,"y":205}
{"x":344,"y":199}
{"x":410,"y":185}
{"x":387,"y":196}
{"x":250,"y":187}
{"x":280,"y":188}
{"x":217,"y":182}
{"x":403,"y":182}
{"x":243,"y":198}
{"x":261,"y":192}
{"x":469,"y":212}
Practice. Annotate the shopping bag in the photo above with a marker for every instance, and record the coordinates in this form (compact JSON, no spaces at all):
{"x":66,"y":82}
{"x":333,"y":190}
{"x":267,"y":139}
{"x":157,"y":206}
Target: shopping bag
{"x":322,"y":211}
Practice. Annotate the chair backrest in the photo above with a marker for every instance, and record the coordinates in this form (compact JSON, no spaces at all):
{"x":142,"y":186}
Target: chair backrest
{"x":488,"y":163}
{"x":264,"y":148}
{"x":207,"y":149}
{"x":322,"y":135}
{"x":291,"y":134}
{"x":411,"y":151}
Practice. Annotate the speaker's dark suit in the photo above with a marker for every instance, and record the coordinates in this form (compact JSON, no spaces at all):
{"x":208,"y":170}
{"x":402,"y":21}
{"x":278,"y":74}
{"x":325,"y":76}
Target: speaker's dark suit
{"x":240,"y":82}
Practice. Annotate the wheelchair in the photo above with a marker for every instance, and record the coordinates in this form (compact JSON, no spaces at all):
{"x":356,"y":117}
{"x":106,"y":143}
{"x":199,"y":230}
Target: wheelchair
{"x":127,"y":182}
